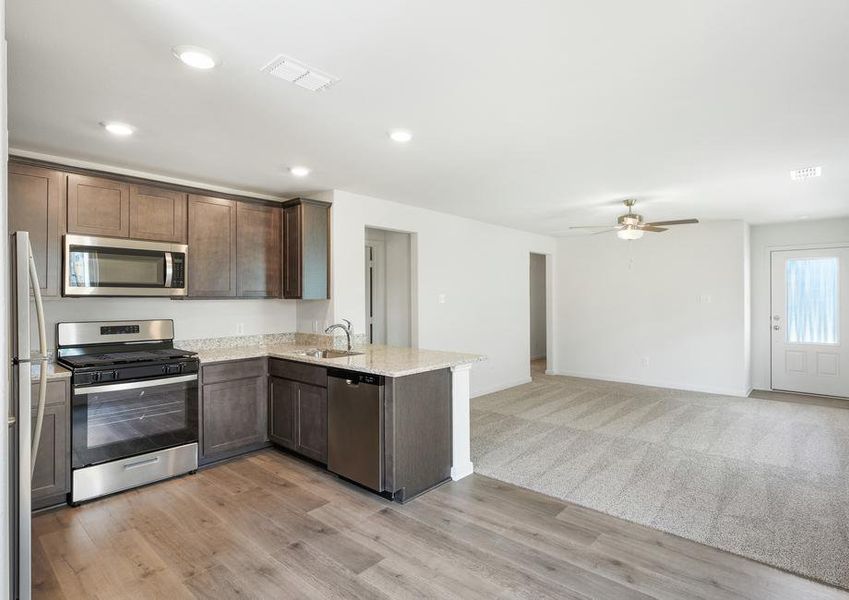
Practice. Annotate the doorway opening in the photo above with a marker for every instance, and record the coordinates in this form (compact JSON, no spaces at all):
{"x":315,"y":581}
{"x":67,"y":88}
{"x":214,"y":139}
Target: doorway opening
{"x":389,"y":285}
{"x":809,"y":324}
{"x":538,"y":314}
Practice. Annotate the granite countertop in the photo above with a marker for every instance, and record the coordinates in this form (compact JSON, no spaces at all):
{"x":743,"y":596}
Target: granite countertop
{"x":389,"y":361}
{"x":54,"y":371}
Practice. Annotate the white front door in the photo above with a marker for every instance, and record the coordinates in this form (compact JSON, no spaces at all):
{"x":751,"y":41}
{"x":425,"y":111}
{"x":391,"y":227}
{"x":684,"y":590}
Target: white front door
{"x":810,"y":321}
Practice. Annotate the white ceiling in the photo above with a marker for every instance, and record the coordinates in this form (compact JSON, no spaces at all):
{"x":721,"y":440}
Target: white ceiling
{"x":537,"y":115}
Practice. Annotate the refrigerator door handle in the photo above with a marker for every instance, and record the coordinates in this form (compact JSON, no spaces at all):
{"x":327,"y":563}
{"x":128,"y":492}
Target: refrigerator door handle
{"x":42,"y":355}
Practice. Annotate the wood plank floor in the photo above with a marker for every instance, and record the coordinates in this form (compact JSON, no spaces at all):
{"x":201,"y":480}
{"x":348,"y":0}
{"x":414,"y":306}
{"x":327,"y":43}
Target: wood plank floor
{"x":270,"y":526}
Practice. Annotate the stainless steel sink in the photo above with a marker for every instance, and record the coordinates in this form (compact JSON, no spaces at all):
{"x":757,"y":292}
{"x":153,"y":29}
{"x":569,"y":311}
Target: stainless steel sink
{"x":330,"y":353}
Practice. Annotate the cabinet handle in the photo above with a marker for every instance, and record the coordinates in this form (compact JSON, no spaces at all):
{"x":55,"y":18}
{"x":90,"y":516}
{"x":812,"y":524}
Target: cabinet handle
{"x":298,"y":418}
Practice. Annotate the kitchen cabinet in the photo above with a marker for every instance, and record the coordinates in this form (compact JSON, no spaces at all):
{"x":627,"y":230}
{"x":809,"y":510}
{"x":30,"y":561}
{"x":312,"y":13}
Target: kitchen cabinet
{"x":281,"y":412}
{"x":297,"y":408}
{"x":98,"y":206}
{"x":51,"y":479}
{"x":212,"y":268}
{"x":258,"y":253}
{"x":36,"y":204}
{"x":234,"y":416}
{"x":157,"y":214}
{"x":306,"y":241}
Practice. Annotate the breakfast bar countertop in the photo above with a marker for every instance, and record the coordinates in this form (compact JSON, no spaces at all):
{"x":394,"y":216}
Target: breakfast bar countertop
{"x":390,"y":361}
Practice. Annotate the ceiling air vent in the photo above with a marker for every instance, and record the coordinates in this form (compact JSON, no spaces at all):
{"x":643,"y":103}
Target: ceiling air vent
{"x":293,"y":71}
{"x":806,"y":173}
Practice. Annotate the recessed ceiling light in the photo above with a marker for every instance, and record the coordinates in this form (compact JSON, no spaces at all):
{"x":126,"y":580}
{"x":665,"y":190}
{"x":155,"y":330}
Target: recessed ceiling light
{"x":803,"y":217}
{"x":299,"y":171}
{"x":806,"y":173}
{"x":197,"y":58}
{"x":116,"y":128}
{"x":402,"y":136}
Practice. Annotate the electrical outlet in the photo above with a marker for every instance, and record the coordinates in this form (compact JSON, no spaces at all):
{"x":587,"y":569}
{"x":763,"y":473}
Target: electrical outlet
{"x":240,"y":329}
{"x":315,"y":326}
{"x":441,"y":298}
{"x":646,"y":361}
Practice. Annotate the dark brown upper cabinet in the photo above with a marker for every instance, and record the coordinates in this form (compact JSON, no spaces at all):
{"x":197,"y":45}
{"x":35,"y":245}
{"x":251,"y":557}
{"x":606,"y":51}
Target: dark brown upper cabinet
{"x":98,"y":206}
{"x":258,"y":251}
{"x":212,"y":247}
{"x":157,"y":214}
{"x":306,"y":240}
{"x":36,"y":204}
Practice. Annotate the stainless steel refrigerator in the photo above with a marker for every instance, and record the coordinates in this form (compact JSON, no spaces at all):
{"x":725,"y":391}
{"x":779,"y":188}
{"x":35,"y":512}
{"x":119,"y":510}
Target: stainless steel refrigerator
{"x":24,"y":419}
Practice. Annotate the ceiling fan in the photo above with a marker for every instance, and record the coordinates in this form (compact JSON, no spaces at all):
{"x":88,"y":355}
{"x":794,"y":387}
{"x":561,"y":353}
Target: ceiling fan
{"x":631,"y":226}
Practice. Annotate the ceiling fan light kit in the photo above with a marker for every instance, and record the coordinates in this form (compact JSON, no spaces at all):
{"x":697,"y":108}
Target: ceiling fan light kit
{"x":629,"y":233}
{"x":631,"y":225}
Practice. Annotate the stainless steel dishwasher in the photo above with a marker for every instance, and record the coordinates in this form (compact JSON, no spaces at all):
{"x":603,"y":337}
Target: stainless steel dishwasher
{"x":355,"y":427}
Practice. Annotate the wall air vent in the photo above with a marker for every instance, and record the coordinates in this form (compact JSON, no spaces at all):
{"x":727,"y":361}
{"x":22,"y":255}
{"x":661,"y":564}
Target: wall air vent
{"x":806,"y":173}
{"x":293,"y":71}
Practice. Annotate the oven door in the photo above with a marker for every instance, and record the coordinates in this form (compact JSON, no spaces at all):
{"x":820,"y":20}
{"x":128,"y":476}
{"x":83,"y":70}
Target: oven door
{"x":115,"y":267}
{"x":124,"y":419}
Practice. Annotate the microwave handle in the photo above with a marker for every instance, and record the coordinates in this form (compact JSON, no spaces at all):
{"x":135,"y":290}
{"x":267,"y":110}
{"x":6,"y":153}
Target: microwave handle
{"x":169,"y":269}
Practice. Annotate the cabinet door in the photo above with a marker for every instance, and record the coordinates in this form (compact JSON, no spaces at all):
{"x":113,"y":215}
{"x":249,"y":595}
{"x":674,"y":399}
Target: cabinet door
{"x":51,"y":478}
{"x":258,"y":250}
{"x":312,"y":421}
{"x":315,"y":222}
{"x":234,"y":415}
{"x":292,"y":252}
{"x":36,"y":202}
{"x":157,"y":214}
{"x":212,"y":247}
{"x":282,"y":412}
{"x":98,"y":206}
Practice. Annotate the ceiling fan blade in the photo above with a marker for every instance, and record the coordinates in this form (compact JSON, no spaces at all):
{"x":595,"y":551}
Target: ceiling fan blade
{"x":677,"y":222}
{"x":607,"y":231}
{"x":590,"y":227}
{"x":649,"y":227}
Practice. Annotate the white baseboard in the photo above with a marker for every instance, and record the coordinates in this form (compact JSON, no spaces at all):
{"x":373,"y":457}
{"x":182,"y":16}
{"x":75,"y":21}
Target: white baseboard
{"x":460,"y":471}
{"x":502,"y":387}
{"x":672,"y":385}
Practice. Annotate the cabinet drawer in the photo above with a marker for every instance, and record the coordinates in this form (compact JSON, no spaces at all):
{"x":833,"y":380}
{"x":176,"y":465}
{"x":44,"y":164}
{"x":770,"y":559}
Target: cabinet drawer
{"x":237,"y":369}
{"x":296,"y":371}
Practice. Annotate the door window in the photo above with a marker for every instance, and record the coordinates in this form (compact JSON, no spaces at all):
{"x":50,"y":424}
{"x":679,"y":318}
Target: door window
{"x":812,"y":300}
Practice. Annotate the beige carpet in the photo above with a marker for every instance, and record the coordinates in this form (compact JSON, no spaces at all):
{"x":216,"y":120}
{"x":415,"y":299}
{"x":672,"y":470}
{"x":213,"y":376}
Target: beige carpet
{"x":765,"y":479}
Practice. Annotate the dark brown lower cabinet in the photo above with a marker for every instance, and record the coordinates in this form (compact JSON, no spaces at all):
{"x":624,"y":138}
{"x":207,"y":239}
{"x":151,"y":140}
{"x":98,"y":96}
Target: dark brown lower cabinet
{"x":282,"y":412}
{"x":234,"y":417}
{"x":51,"y":480}
{"x":298,"y":410}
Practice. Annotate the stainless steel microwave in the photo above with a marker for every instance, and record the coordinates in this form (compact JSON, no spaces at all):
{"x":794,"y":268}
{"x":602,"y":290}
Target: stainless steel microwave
{"x":100,"y":266}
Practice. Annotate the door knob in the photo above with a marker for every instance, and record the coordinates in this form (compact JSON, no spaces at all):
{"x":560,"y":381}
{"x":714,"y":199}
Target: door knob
{"x":776,"y":327}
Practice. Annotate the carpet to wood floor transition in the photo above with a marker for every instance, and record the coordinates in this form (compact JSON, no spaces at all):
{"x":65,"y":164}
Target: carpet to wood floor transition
{"x":765,"y":479}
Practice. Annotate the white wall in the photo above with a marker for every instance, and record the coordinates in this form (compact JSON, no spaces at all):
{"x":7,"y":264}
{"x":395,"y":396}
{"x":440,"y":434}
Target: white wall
{"x":538,"y":317}
{"x":482,"y":270}
{"x":192,"y":318}
{"x":678,"y":299}
{"x":773,"y":237}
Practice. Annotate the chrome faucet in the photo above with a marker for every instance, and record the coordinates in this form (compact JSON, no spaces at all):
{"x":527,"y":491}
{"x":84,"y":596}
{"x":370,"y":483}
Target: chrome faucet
{"x":346,"y":328}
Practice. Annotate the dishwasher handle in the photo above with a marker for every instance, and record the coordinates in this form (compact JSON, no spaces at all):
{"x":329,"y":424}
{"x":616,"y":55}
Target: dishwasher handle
{"x":355,"y":378}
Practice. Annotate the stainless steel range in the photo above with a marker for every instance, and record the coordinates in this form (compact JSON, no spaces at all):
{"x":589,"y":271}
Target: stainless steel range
{"x":134,"y":405}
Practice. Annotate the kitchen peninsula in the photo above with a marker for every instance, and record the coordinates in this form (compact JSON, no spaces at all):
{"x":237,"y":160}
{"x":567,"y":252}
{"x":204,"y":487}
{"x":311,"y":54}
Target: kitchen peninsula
{"x":424,"y":417}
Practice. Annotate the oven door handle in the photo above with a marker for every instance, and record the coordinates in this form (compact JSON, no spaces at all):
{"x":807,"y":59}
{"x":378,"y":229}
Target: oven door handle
{"x":169,"y":269}
{"x":133,"y":385}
